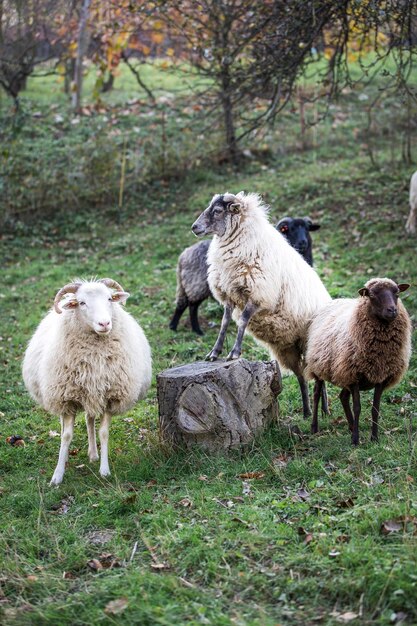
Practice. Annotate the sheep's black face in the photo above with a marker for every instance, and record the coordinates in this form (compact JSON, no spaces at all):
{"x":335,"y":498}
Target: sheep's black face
{"x":216,"y":219}
{"x":296,"y":231}
{"x":383,"y":301}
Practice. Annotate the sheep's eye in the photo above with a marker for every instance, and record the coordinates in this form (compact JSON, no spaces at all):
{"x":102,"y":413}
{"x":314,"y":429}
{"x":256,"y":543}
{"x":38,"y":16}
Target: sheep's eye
{"x":284,"y":229}
{"x":217,"y":210}
{"x":111,"y":299}
{"x":81,"y":303}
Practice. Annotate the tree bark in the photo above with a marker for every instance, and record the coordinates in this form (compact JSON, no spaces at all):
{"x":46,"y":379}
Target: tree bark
{"x":81,"y":48}
{"x":229,"y":125}
{"x":217,"y":406}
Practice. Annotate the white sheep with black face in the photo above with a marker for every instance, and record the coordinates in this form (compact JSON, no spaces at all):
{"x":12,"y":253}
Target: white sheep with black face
{"x":87,"y":354}
{"x":261,"y":280}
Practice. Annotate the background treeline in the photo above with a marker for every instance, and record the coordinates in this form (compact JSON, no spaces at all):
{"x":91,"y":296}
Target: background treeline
{"x":208,"y":81}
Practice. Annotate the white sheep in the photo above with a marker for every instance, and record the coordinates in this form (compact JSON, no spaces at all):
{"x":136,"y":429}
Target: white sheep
{"x":87,"y":354}
{"x":360,"y":344}
{"x":261,"y":281}
{"x":411,"y":225}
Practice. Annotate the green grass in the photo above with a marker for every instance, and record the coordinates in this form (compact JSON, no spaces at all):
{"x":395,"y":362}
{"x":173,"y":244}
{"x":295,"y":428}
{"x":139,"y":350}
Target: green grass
{"x":193,"y":548}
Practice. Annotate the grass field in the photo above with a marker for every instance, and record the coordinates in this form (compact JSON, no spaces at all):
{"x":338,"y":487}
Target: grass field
{"x":327,"y":533}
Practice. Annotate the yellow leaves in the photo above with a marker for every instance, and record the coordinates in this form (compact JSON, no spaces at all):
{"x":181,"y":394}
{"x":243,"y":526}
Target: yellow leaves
{"x":158,"y":25}
{"x":157,"y":37}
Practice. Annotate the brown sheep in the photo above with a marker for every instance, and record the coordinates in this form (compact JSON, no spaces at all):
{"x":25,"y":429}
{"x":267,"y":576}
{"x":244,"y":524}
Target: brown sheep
{"x":360,"y":344}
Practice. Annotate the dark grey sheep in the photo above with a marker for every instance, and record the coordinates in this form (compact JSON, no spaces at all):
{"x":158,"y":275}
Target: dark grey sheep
{"x":192,"y":285}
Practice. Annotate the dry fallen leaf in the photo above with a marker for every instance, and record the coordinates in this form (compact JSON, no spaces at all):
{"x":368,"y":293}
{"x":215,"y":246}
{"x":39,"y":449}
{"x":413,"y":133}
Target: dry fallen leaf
{"x":62,"y":507}
{"x":346,"y":503}
{"x":160,"y":566}
{"x":308,"y":537}
{"x":115,"y":607}
{"x":345,"y":618}
{"x":68,"y":576}
{"x":281,"y":461}
{"x":15,"y":440}
{"x":406,"y":523}
{"x":250,"y":475}
{"x":246,"y":488}
{"x":303,"y":494}
{"x":333,"y":553}
{"x":100,"y":537}
{"x":185,"y":502}
{"x":104,"y":561}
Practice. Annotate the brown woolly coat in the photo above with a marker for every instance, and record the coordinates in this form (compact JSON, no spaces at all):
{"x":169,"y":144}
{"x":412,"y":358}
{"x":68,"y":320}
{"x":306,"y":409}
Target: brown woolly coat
{"x":347,"y":344}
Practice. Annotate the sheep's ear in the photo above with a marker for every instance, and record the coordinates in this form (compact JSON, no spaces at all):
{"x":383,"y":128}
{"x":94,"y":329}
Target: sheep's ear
{"x":314,"y":226}
{"x":403,"y":286}
{"x":120,"y":296}
{"x":283,"y":221}
{"x":69,"y":304}
{"x":363,"y":292}
{"x":235,"y":208}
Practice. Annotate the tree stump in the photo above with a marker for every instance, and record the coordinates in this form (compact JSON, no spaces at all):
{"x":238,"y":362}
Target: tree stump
{"x":217,"y":405}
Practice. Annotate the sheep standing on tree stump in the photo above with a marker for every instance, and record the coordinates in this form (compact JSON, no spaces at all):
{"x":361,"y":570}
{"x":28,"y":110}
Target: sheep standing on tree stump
{"x":217,"y":406}
{"x":261,"y":281}
{"x":192,"y":268}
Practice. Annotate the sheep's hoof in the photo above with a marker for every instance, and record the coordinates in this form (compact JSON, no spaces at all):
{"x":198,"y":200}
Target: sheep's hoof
{"x":105,"y":472}
{"x":233,"y":356}
{"x":55,"y":480}
{"x":93,"y":457}
{"x":212,"y":356}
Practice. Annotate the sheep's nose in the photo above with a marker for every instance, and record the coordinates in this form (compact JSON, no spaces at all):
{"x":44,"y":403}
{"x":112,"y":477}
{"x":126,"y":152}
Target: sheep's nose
{"x":104,"y":325}
{"x":391,"y":312}
{"x":197,"y":229}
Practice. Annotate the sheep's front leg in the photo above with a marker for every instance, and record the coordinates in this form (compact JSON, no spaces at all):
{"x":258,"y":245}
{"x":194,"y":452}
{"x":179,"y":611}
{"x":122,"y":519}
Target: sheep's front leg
{"x":345,"y":400}
{"x":318,"y":390}
{"x":249,"y":310}
{"x":324,"y":400}
{"x":218,"y":346}
{"x":67,"y":432}
{"x":379,"y":388}
{"x":91,"y":431}
{"x":356,"y":413}
{"x":104,"y":444}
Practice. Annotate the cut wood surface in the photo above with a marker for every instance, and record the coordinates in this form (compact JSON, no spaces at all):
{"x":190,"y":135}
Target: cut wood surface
{"x":217,"y":405}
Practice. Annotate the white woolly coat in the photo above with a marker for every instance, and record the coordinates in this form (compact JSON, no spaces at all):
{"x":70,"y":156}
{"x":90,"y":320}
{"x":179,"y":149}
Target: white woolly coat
{"x":68,"y":367}
{"x":257,"y":263}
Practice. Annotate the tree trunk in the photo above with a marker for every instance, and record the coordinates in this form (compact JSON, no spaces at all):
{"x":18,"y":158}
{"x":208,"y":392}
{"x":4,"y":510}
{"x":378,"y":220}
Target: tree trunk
{"x":81,"y":49}
{"x":229,"y":124}
{"x":108,"y":84}
{"x":217,"y":406}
